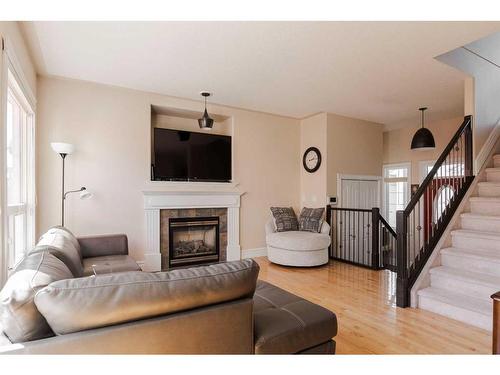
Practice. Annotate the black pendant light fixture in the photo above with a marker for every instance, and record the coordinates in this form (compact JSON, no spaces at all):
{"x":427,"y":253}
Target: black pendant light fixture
{"x":206,"y":122}
{"x":423,"y":138}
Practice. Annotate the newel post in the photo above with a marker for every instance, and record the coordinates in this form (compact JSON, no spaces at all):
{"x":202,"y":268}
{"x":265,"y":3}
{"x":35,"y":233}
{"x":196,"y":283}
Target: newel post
{"x":402,"y":292}
{"x":375,"y":238}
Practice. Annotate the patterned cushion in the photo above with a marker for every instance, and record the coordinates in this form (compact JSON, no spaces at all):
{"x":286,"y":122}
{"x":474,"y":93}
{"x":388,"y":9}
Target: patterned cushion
{"x":285,"y":219}
{"x":311,"y":219}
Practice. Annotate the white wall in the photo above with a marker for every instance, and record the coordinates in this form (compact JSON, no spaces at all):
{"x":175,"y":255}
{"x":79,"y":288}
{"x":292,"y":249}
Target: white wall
{"x":485,"y":103}
{"x":111,"y":128}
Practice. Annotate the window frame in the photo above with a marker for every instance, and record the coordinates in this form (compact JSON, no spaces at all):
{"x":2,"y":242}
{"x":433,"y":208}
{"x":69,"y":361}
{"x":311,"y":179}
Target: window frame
{"x":385,"y":200}
{"x":9,"y":64}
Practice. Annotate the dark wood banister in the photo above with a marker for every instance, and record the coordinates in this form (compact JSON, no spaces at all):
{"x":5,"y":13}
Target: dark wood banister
{"x":496,"y":323}
{"x":387,"y":226}
{"x":409,"y":269}
{"x":430,"y":176}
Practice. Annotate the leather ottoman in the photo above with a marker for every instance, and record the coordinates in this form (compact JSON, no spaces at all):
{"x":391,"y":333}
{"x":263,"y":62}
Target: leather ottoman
{"x":285,"y":323}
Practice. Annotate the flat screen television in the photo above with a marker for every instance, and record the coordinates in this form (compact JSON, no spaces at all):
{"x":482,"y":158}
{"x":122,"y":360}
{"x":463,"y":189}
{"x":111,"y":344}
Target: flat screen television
{"x":189,"y":156}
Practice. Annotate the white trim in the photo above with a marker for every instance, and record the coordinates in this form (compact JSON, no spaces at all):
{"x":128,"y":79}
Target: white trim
{"x":19,"y":74}
{"x":343,"y":176}
{"x":254,"y":253}
{"x":3,"y":167}
{"x":488,"y":146}
{"x":154,"y":201}
{"x":406,"y":165}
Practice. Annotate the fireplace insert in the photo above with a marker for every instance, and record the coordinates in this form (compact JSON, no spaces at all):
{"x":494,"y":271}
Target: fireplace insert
{"x":193,"y":240}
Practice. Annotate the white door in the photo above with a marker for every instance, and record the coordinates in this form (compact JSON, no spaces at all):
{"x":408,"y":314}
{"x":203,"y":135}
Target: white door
{"x":354,"y":227}
{"x":359,"y":193}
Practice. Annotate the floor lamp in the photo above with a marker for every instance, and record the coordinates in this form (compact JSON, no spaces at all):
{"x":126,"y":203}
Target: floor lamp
{"x":65,"y":149}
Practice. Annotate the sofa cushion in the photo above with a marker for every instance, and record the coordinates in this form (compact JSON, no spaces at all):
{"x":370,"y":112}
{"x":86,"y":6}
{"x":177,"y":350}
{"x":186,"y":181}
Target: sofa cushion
{"x":103,"y":300}
{"x":310,"y":219}
{"x":69,"y":235}
{"x":109,"y":264}
{"x":285,"y":323}
{"x":59,"y":243}
{"x":285,"y":219}
{"x":19,"y":315}
{"x":298,"y":241}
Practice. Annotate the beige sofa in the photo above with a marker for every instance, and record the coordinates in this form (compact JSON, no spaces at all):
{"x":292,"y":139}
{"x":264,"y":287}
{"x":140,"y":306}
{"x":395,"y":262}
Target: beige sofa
{"x":297,"y":248}
{"x":220,"y":309}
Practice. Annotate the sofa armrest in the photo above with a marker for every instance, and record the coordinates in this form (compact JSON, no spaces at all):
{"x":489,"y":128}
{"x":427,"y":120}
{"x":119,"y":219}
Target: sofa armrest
{"x":225,"y":328}
{"x":325,"y":228}
{"x":101,"y":245}
{"x":270,"y":228}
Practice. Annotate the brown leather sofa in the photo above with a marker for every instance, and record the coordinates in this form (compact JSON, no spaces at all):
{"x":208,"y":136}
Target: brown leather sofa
{"x":219,"y":309}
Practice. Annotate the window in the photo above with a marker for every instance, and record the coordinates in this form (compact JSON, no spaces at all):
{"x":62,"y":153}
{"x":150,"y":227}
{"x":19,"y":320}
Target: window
{"x":441,"y":201}
{"x":19,"y":164}
{"x":396,"y":190}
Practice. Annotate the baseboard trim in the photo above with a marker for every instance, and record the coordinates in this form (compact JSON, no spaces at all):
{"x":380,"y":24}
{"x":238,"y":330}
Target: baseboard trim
{"x":253,"y":253}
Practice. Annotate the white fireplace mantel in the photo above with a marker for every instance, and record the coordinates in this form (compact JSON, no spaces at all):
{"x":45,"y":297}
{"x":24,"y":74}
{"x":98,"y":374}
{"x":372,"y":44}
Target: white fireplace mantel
{"x":154,"y":201}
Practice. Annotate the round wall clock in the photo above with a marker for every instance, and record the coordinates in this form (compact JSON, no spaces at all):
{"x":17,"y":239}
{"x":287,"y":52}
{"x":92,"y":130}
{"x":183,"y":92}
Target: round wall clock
{"x":311,"y":159}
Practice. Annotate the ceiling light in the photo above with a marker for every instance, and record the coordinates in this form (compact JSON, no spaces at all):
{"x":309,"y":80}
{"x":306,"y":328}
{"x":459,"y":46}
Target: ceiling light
{"x":423,"y":138}
{"x":206,"y":122}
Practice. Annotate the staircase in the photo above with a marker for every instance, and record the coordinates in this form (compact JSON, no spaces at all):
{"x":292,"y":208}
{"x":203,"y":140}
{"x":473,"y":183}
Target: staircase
{"x":469,"y":274}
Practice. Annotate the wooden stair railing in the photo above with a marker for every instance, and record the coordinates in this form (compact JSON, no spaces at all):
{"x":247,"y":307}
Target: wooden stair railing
{"x":422,"y":223}
{"x":496,"y":323}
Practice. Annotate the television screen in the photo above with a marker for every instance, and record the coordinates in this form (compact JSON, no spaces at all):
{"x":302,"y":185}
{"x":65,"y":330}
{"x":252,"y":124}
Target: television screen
{"x":189,"y":156}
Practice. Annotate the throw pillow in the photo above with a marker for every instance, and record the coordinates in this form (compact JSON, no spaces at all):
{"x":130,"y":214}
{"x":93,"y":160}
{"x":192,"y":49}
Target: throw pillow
{"x":311,"y":219}
{"x":285,"y":219}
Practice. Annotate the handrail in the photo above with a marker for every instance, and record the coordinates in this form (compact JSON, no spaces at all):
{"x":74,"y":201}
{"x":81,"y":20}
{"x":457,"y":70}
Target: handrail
{"x":423,"y":221}
{"x":386,"y":224}
{"x":421,"y":189}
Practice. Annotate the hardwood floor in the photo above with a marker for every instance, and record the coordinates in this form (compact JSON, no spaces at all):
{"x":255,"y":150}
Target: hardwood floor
{"x":369,"y":321}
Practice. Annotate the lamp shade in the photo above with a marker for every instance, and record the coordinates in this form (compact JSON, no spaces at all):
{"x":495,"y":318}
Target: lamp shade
{"x":63,"y":148}
{"x":206,"y":122}
{"x":423,"y":140}
{"x":85,"y":194}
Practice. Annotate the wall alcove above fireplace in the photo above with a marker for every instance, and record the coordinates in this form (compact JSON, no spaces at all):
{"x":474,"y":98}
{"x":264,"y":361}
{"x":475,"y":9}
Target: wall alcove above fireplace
{"x":182,"y":152}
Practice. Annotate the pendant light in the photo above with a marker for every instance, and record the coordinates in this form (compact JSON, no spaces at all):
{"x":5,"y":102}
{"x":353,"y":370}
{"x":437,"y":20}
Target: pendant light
{"x":423,"y":138}
{"x":206,"y":122}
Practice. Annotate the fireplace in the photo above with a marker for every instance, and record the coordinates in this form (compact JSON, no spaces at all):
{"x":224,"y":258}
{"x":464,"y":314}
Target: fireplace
{"x":193,"y":240}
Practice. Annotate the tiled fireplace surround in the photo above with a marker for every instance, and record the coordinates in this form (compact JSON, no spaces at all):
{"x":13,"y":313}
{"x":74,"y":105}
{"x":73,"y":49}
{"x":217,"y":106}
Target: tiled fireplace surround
{"x":159,"y":206}
{"x":167,"y":214}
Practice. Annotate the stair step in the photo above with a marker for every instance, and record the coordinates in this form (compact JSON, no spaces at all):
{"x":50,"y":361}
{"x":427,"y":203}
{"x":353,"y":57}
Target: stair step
{"x":474,"y":284}
{"x":496,"y":161}
{"x":486,"y":223}
{"x":485,"y":205}
{"x":472,"y":239}
{"x":481,"y":261}
{"x":493,"y":174}
{"x":489,"y":189}
{"x":457,"y":306}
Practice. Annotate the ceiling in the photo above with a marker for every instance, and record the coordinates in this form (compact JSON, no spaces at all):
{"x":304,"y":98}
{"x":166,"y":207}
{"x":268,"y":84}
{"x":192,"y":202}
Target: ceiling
{"x":377,"y":71}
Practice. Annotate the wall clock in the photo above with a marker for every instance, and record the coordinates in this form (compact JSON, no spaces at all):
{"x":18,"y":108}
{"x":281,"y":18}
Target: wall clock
{"x":311,"y":159}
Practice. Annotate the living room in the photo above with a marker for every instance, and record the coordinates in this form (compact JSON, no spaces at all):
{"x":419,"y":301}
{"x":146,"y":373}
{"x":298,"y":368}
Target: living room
{"x":257,"y":193}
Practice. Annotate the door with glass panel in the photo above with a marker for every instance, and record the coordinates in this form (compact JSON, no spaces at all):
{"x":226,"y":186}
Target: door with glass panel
{"x":19,"y":177}
{"x":396,"y":196}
